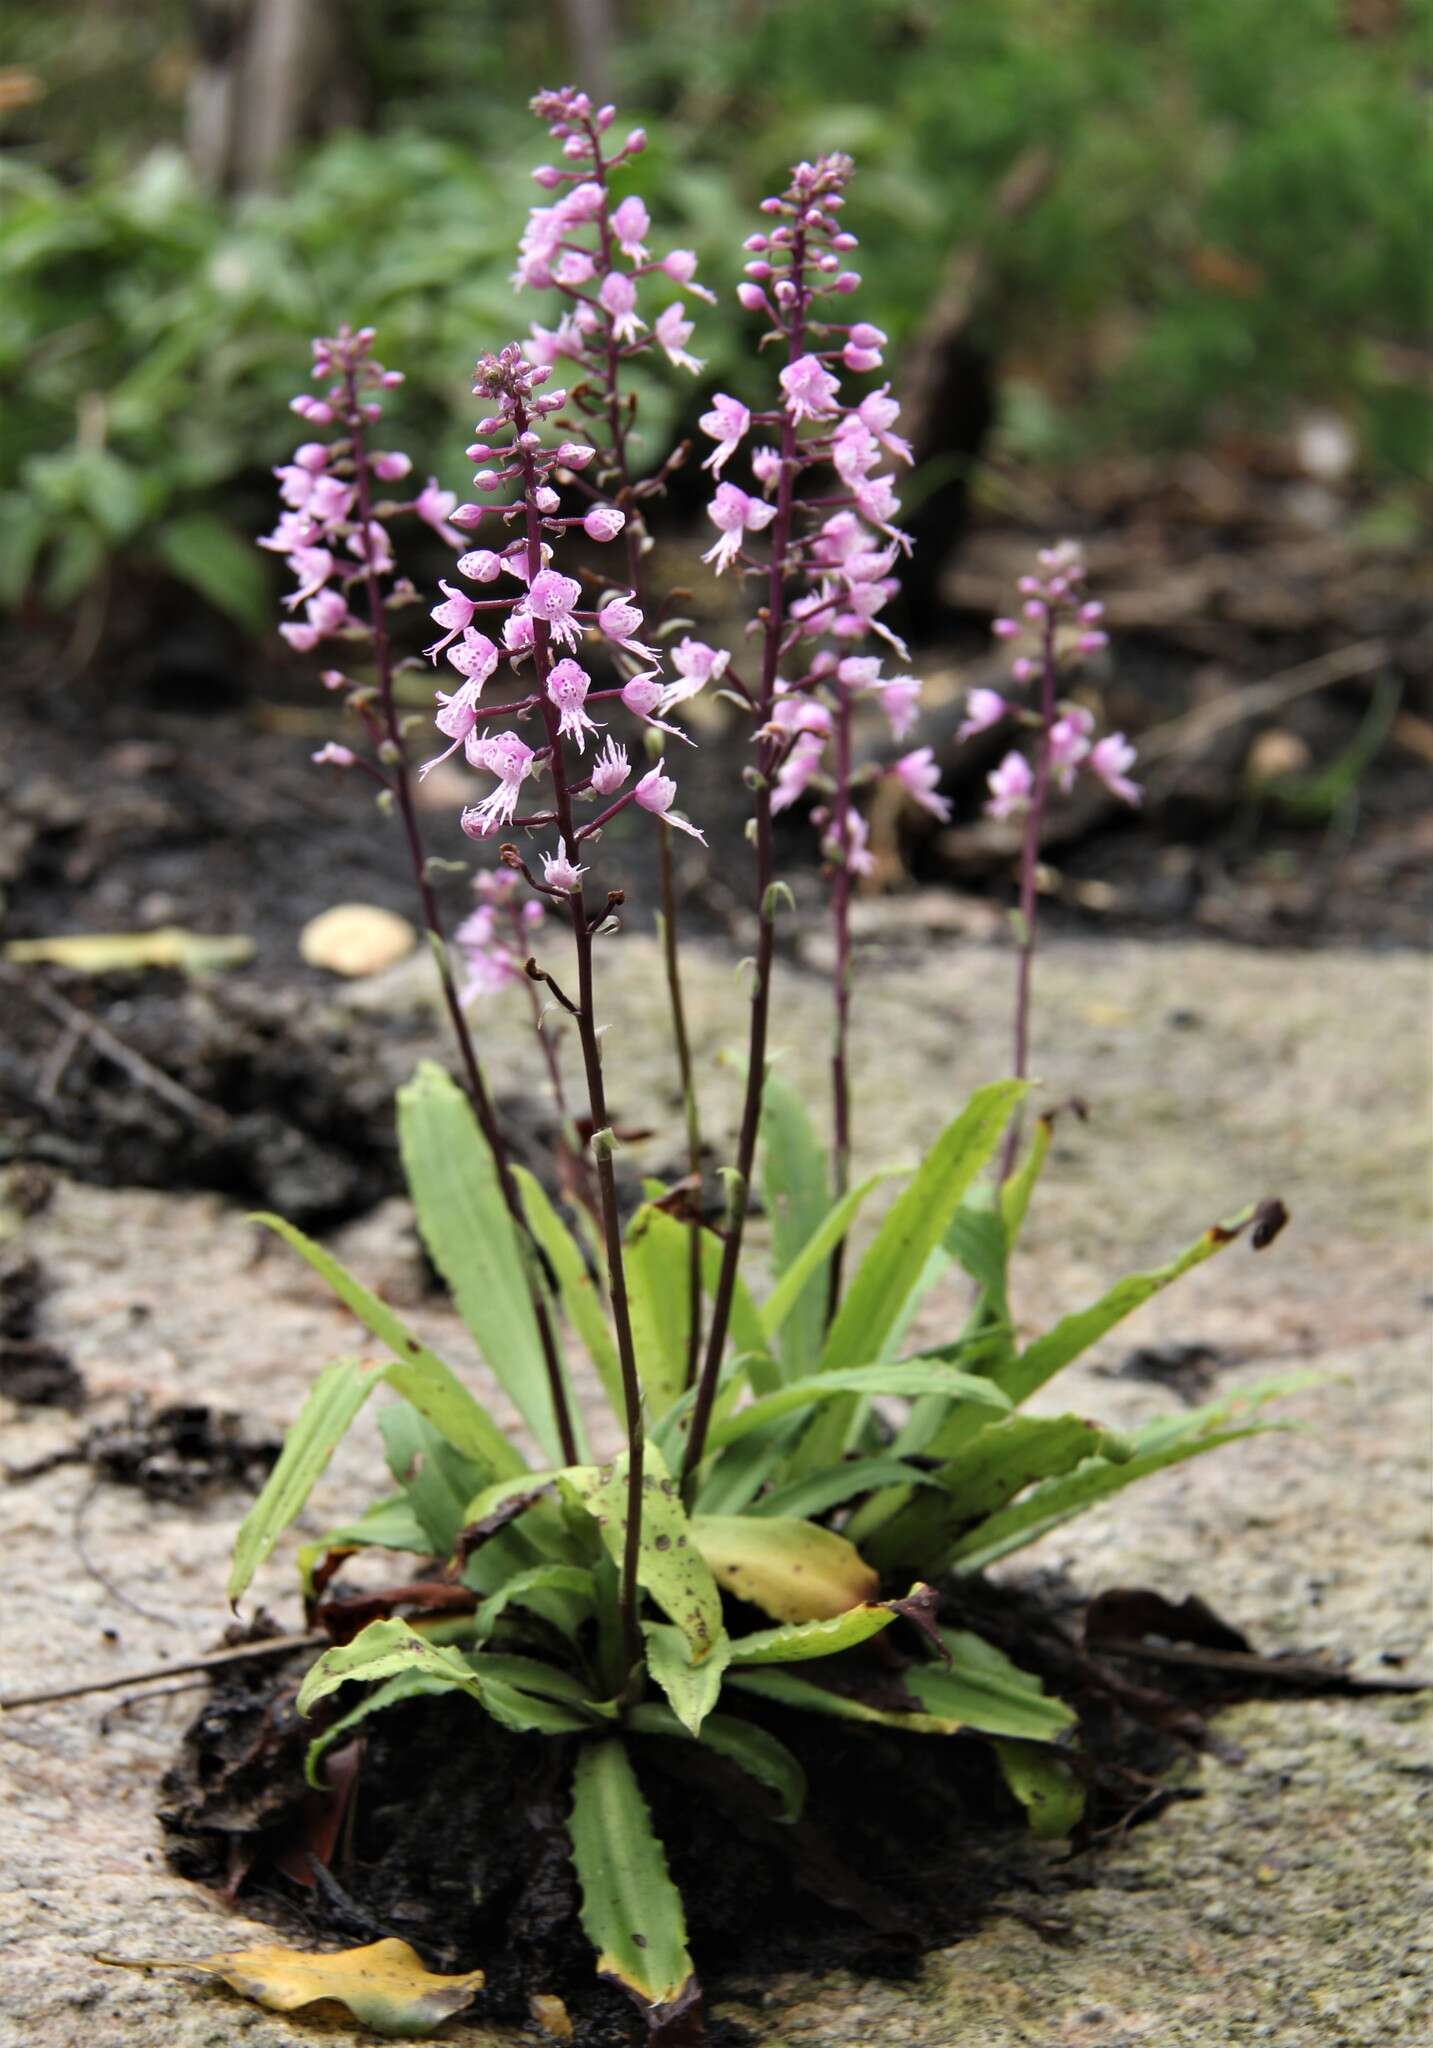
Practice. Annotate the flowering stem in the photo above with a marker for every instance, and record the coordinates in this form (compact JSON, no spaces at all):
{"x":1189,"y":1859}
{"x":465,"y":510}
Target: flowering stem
{"x":1029,"y":870}
{"x":841,"y":981}
{"x":670,"y":937}
{"x":603,"y":1143}
{"x":773,"y":628}
{"x":401,"y":784}
{"x":682,"y":1043}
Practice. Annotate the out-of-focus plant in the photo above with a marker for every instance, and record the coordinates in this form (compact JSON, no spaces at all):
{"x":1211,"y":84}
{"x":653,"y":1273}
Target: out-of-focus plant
{"x":1232,"y":224}
{"x":785,"y":1446}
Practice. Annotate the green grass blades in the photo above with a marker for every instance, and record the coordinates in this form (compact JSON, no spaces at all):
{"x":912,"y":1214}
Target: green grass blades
{"x":670,"y":1566}
{"x":420,"y":1375}
{"x":794,"y":1571}
{"x":631,"y":1910}
{"x":758,"y":1753}
{"x":471,"y":1239}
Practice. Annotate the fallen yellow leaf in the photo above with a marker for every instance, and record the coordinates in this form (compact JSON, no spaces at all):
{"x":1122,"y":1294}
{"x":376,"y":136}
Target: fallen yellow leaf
{"x":384,"y":1985}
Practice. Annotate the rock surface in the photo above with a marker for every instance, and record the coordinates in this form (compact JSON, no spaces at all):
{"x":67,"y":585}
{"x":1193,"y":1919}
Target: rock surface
{"x":1281,"y":1906}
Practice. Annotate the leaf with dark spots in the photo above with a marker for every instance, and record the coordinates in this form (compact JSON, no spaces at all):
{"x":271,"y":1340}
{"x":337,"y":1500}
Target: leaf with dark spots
{"x":473,"y":1534}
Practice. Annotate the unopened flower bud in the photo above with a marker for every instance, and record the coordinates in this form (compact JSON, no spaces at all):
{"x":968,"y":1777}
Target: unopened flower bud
{"x":604,"y":522}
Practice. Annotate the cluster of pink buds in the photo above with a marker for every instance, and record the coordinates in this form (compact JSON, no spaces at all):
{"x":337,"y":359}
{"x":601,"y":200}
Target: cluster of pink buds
{"x":332,"y":528}
{"x":595,"y":253}
{"x":537,"y":630}
{"x":1056,"y":629}
{"x":840,"y":549}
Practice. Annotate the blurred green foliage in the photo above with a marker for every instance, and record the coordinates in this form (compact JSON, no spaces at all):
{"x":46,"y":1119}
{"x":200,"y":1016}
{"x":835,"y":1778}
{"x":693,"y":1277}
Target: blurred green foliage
{"x":1232,"y":227}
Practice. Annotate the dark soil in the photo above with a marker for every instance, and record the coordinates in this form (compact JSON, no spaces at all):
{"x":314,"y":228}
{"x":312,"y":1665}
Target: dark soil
{"x":447,"y":1830}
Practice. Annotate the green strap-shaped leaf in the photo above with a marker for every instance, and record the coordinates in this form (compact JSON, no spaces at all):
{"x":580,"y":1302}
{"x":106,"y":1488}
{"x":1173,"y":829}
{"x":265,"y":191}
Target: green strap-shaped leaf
{"x":534,"y":1589}
{"x":814,"y":1495}
{"x":471,"y":1239}
{"x":1016,"y":1192}
{"x":581,"y":1299}
{"x":790,"y":1691}
{"x":794,"y":1571}
{"x":798,"y":1642}
{"x":1007,"y":1456}
{"x":407,"y":1685}
{"x":1058,"y":1500}
{"x":388,"y":1525}
{"x":692,"y":1689}
{"x":437,"y":1481}
{"x":915,"y":1376}
{"x":333,"y":1400}
{"x":421,"y":1377}
{"x":1045,"y":1783}
{"x":814,"y":1254}
{"x":732,"y":1478}
{"x":976,"y":1240}
{"x":657,"y":1249}
{"x":918,"y":1220}
{"x":748,"y":1333}
{"x":383,"y":1650}
{"x":1047,"y":1355}
{"x":669,"y":1562}
{"x":758,"y":1753}
{"x":796,"y":1192}
{"x":982,"y":1689}
{"x":631,"y":1910}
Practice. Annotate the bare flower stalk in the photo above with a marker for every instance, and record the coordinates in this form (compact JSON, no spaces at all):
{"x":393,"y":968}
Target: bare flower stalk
{"x":584,"y":925}
{"x":769,"y":752}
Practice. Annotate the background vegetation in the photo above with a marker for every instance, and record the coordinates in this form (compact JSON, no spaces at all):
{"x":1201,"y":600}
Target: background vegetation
{"x":1222,"y":226}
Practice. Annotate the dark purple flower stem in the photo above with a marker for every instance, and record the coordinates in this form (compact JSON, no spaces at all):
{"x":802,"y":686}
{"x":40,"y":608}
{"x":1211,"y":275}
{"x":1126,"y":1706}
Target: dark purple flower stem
{"x":773,"y":626}
{"x":400,"y":782}
{"x":1029,"y":893}
{"x":841,"y":982}
{"x":603,"y":1143}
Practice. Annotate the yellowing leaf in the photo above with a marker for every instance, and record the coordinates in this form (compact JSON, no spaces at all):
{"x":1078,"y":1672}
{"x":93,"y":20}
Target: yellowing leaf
{"x":384,"y":1985}
{"x":794,"y":1571}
